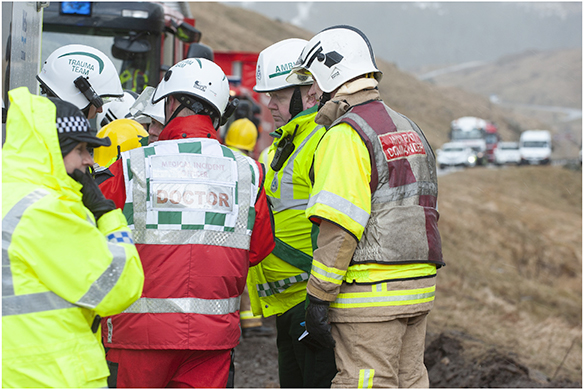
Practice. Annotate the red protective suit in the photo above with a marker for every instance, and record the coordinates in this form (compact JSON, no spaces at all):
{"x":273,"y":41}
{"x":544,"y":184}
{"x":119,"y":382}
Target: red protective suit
{"x":199,"y":272}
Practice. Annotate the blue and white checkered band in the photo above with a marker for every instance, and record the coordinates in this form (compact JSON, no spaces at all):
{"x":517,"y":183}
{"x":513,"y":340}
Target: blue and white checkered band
{"x":72,"y":124}
{"x":120,"y":237}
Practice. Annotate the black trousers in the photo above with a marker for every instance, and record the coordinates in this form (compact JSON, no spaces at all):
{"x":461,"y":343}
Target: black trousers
{"x":298,"y":365}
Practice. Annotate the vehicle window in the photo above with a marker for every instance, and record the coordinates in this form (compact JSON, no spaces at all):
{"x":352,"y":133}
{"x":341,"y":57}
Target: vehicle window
{"x":535,"y":144}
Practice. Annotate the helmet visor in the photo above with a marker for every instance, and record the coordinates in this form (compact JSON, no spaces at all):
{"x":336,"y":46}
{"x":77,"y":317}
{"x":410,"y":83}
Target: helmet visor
{"x":299,"y":76}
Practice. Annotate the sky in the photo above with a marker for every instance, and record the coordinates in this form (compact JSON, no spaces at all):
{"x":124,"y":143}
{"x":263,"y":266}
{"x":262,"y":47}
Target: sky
{"x":419,"y":34}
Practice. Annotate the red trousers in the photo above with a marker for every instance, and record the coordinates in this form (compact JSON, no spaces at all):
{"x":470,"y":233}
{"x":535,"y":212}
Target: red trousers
{"x":169,"y":368}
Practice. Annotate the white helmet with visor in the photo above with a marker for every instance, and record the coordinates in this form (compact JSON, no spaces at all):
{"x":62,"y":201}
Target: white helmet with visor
{"x":275,"y":63}
{"x":334,"y":56}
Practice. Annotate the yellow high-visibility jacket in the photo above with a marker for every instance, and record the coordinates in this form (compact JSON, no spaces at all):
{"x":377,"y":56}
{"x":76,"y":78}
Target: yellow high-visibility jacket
{"x":279,"y":282}
{"x":385,"y":198}
{"x":59,"y":268}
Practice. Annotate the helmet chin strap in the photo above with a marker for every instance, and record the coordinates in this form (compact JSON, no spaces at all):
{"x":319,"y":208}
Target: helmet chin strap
{"x":296,"y":106}
{"x":174,"y":114}
{"x":325,"y":97}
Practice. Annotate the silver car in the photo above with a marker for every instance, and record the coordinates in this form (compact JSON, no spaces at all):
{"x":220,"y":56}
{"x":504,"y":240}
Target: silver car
{"x":455,"y":154}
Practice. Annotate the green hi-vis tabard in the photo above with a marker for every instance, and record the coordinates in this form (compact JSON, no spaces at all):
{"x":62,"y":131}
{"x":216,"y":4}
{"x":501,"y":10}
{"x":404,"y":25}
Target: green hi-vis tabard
{"x":190,"y":192}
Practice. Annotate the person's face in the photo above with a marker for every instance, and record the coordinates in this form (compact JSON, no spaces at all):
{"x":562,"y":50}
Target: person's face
{"x":154,"y":130}
{"x":315,"y":92}
{"x":78,"y":158}
{"x":93,"y":111}
{"x":279,"y":106}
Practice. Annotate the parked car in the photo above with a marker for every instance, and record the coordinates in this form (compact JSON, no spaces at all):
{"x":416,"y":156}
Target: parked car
{"x":535,"y":147}
{"x":507,"y":153}
{"x":455,"y":154}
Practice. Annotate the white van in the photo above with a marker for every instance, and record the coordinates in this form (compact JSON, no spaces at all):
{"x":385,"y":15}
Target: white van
{"x":535,"y":147}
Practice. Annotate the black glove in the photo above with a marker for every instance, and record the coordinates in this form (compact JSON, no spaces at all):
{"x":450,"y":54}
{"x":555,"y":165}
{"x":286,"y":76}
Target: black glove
{"x":317,"y":323}
{"x":93,"y":198}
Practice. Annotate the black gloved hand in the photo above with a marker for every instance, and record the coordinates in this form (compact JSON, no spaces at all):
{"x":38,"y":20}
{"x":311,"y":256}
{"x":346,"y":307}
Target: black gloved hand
{"x":317,"y":323}
{"x":93,"y":198}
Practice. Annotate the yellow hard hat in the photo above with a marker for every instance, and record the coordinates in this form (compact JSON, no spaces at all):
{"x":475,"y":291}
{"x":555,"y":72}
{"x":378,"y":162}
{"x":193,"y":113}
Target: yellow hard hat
{"x":242,"y":134}
{"x":125,"y":134}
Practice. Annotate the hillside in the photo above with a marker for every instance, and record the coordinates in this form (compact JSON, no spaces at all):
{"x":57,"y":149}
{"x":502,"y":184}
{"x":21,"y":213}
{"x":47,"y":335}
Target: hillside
{"x":509,"y":302}
{"x":508,"y":307}
{"x":550,"y":78}
{"x":430,"y":106}
{"x":543,"y":85}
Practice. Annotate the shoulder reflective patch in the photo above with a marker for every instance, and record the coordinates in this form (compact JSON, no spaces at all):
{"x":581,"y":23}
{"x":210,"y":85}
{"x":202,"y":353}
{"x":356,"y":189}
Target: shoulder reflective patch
{"x":401,"y":144}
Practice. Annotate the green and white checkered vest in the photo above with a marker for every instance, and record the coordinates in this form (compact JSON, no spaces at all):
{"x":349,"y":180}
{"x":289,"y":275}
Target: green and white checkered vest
{"x":190,"y":191}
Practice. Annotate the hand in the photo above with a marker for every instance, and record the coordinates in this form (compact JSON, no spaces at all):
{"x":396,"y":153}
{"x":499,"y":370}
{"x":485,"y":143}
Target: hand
{"x":317,"y":323}
{"x":93,"y":198}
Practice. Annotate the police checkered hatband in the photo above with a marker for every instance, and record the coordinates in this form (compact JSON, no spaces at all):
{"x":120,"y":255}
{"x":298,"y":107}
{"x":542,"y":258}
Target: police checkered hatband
{"x":72,"y":124}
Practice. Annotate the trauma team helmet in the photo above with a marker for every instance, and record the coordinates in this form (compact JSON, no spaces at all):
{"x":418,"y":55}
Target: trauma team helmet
{"x":275,"y":63}
{"x":116,"y":109}
{"x":125,"y":134}
{"x":62,"y":69}
{"x":143,"y":110}
{"x":242,"y":134}
{"x":199,"y":84}
{"x":334,"y":56}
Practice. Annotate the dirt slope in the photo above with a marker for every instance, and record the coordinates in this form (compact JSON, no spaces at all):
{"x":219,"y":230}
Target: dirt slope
{"x":430,"y":106}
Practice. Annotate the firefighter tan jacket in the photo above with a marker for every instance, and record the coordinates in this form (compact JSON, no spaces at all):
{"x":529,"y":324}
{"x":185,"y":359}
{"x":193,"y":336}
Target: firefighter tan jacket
{"x":59,"y":269}
{"x":386,"y":199}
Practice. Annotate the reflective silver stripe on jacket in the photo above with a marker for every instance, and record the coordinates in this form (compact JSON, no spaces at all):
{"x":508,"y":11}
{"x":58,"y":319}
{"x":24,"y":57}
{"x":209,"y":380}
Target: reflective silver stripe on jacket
{"x":107,"y":280}
{"x":392,"y":194}
{"x":185,"y":305}
{"x":286,"y":200}
{"x":341,"y":205}
{"x":29,"y":303}
{"x":239,"y":238}
{"x":48,"y":300}
{"x":277,"y":287}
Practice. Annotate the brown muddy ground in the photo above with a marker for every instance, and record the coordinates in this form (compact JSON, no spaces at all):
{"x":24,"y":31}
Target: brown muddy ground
{"x":453,"y":360}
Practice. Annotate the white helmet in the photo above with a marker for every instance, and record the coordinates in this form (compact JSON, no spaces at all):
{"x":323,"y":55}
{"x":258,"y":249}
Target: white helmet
{"x":144,"y":108}
{"x":61,"y":73}
{"x":275,"y":63}
{"x":196,"y":78}
{"x":116,"y":109}
{"x":336,"y":55}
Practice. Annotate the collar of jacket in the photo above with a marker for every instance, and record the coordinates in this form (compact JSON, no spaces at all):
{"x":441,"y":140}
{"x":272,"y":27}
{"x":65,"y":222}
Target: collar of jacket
{"x":350,"y":94}
{"x":31,"y":153}
{"x":299,"y":120}
{"x":192,"y":126}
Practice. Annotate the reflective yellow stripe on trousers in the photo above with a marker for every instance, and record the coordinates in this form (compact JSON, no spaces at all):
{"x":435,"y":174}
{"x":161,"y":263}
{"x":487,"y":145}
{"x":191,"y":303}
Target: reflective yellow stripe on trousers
{"x":366,"y":378}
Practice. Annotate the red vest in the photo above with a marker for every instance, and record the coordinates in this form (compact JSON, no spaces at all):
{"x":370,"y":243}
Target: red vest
{"x":193,"y":278}
{"x":404,"y":188}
